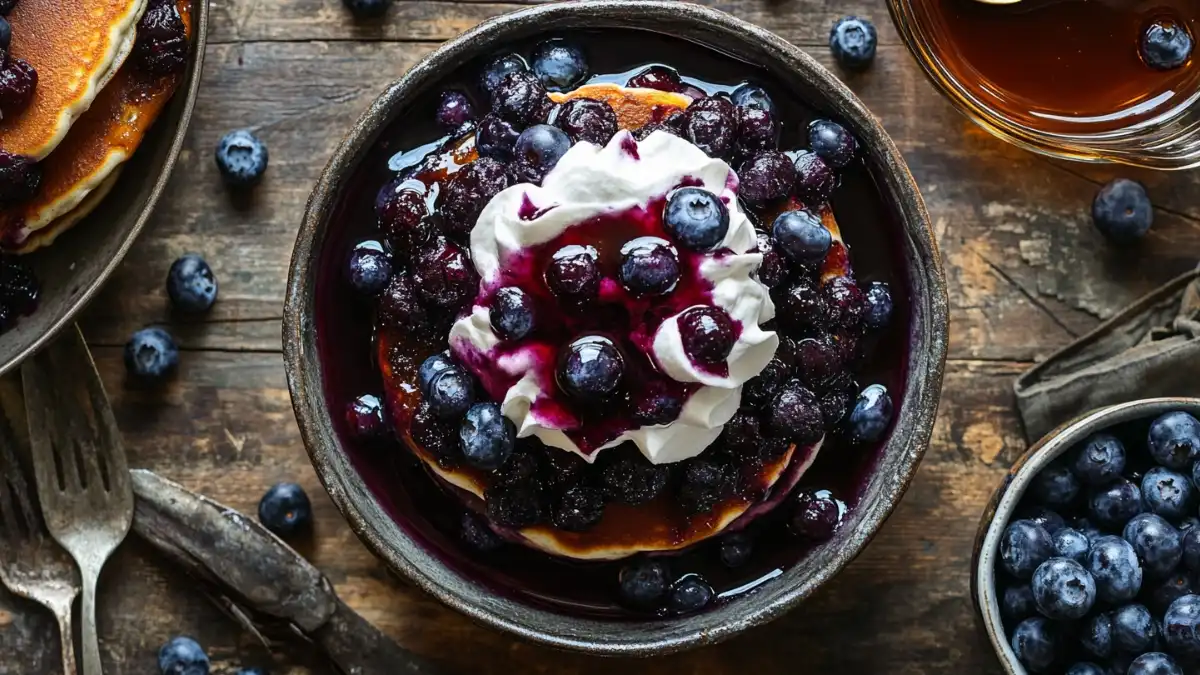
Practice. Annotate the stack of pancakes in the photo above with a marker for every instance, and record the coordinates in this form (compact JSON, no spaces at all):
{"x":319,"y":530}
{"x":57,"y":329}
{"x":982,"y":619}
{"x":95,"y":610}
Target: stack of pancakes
{"x":89,"y":112}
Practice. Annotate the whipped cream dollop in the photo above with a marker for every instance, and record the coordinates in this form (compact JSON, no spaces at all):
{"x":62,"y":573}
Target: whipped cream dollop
{"x":591,"y":182}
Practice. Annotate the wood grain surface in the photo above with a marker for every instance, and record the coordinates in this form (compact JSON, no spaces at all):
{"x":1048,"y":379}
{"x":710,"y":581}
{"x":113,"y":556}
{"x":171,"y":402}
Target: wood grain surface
{"x":1027,"y":272}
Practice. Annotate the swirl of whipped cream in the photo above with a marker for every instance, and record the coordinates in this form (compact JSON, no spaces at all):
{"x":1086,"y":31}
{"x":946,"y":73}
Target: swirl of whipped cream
{"x":587,"y":182}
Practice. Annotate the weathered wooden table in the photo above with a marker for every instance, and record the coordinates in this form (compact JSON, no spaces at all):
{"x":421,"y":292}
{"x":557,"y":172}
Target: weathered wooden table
{"x":1027,"y":272}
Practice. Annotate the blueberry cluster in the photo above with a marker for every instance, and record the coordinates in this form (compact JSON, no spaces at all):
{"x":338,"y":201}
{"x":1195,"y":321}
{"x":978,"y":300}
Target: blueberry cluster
{"x":184,"y":656}
{"x":161,"y":45}
{"x":1100,"y":571}
{"x":18,"y":79}
{"x":151,"y":354}
{"x":19,"y":291}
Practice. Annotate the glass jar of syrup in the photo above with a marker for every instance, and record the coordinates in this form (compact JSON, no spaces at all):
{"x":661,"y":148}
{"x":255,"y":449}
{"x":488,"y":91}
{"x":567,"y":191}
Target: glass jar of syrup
{"x":1093,"y":80}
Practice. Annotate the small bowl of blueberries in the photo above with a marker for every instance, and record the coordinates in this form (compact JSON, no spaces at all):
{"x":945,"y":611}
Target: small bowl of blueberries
{"x":1087,"y":557}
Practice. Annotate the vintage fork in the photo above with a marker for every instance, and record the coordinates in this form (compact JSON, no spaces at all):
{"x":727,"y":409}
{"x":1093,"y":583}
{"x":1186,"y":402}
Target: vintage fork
{"x":79,"y":462}
{"x":31,"y":564}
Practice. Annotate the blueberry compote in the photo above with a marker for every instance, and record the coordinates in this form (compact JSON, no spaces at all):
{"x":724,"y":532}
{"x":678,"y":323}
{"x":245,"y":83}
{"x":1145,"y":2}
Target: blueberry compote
{"x":430,"y":187}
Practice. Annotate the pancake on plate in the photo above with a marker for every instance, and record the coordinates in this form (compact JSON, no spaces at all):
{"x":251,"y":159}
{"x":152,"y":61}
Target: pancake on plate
{"x":99,"y":143}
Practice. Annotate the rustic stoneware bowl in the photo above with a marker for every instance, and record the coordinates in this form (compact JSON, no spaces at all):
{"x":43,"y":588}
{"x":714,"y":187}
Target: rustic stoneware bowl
{"x":897,"y":462}
{"x":73,"y":269}
{"x":1007,"y":497}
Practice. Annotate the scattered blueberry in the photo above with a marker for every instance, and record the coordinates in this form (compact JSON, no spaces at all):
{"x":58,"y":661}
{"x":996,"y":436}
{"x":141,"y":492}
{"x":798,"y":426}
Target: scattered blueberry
{"x":511,"y":313}
{"x":649,"y":266}
{"x":1166,"y":45}
{"x":500,"y":66}
{"x":690,"y":593}
{"x":1036,"y":644}
{"x":1100,"y":460}
{"x":1154,"y":663}
{"x":591,"y":368}
{"x":1114,"y":504}
{"x":241,"y":158}
{"x":367,"y":9}
{"x":1055,"y":486}
{"x":1156,"y":543}
{"x":1181,"y":627}
{"x":486,"y":436}
{"x":364,"y":417}
{"x":707,"y":334}
{"x":815,"y":181}
{"x":1134,"y":629}
{"x":736,"y":549}
{"x":151,"y":354}
{"x":574,"y":274}
{"x":1174,"y":440}
{"x":801,"y":236}
{"x":560,"y":65}
{"x":191,"y":284}
{"x":832,"y":143}
{"x":1114,"y":566}
{"x":643,"y":584}
{"x":454,"y":110}
{"x":1096,"y":636}
{"x":696,"y":218}
{"x":1167,"y":493}
{"x":1062,"y":589}
{"x":1072,"y":544}
{"x":451,"y":393}
{"x":182,"y":656}
{"x":369,"y":270}
{"x":538,"y":150}
{"x":879,"y":305}
{"x":285,"y":510}
{"x":853,"y":41}
{"x":871,"y":415}
{"x":1122,"y":211}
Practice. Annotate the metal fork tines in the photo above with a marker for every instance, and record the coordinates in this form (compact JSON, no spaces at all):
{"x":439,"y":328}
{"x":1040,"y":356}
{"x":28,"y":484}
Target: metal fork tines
{"x":31,"y":564}
{"x":79,"y":462}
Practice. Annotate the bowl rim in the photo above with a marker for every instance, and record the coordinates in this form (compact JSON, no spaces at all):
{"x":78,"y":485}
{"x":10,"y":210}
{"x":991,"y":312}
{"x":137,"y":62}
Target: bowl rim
{"x":1006,"y":498}
{"x":927,"y":341}
{"x":93,"y":286}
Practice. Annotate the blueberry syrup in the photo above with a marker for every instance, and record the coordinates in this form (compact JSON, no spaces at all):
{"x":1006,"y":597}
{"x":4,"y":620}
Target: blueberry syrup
{"x":429,"y":512}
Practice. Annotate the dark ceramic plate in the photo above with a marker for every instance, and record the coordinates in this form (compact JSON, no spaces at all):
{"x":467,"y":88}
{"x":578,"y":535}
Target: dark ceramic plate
{"x":74,"y":268}
{"x":399,"y":544}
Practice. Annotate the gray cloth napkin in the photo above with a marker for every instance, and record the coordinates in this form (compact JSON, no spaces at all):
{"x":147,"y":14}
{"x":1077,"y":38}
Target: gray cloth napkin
{"x":1149,"y":349}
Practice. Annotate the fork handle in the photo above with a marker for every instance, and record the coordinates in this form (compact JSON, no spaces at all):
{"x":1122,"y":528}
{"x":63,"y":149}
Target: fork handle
{"x":68,"y":641}
{"x":87,"y":614}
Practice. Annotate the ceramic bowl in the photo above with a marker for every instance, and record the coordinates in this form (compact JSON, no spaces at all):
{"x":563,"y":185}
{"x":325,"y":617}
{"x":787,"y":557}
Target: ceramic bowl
{"x":76,"y":266}
{"x":1008,"y":496}
{"x":397,"y":545}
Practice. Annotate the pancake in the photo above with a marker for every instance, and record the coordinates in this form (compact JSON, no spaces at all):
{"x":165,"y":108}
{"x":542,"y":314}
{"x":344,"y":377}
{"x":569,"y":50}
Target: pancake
{"x":635,"y":107}
{"x":101,"y":141}
{"x":47,"y":235}
{"x":75,"y":45}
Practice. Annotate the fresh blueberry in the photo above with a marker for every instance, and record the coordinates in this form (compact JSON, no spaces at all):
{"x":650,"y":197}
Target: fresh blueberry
{"x":1062,"y":589}
{"x":151,"y":354}
{"x":1166,"y":45}
{"x":1154,"y":663}
{"x":1167,"y":493}
{"x":1100,"y":460}
{"x":451,"y":393}
{"x":1024,"y":546}
{"x":574,"y":273}
{"x":643,"y":584}
{"x":1085,"y":668}
{"x":1156,"y":543}
{"x":1096,"y":636}
{"x":486,"y":436}
{"x":879,"y":305}
{"x":1043,"y":516}
{"x":1114,"y":566}
{"x":431,"y":367}
{"x":1017,"y":603}
{"x":538,"y":150}
{"x":1134,"y":629}
{"x":370,"y":268}
{"x":500,"y":66}
{"x":753,"y":96}
{"x":649,"y":266}
{"x":241,"y":158}
{"x":191,"y":284}
{"x":871,"y":415}
{"x":1072,"y":544}
{"x":696,"y":218}
{"x":182,"y":656}
{"x":1167,"y":591}
{"x":560,"y":65}
{"x":1190,"y":543}
{"x":690,"y":593}
{"x":1122,"y":211}
{"x":285,"y":510}
{"x":5,"y":34}
{"x":1036,"y":644}
{"x":1114,"y":504}
{"x":707,"y":334}
{"x":367,"y":9}
{"x":364,"y":417}
{"x":853,"y":41}
{"x":512,"y":313}
{"x":736,"y":549}
{"x":801,"y":236}
{"x":454,"y":110}
{"x":1181,"y":627}
{"x":815,"y":181}
{"x":832,"y":142}
{"x":1055,"y":486}
{"x":1174,"y":440}
{"x":591,"y":368}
